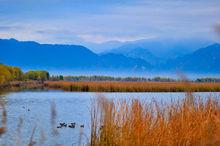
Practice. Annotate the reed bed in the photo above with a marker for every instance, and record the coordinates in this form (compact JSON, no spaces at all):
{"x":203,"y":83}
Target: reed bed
{"x":133,"y":86}
{"x":188,"y":122}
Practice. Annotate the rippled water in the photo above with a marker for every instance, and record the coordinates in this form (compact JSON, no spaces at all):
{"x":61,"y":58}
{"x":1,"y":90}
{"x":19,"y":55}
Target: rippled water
{"x":35,"y":110}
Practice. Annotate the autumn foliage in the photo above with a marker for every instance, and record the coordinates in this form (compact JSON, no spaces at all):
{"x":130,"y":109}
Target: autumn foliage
{"x":10,"y":73}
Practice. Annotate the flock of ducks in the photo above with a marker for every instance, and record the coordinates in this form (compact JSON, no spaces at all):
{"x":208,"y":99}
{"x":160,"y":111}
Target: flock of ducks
{"x":71,"y":125}
{"x":25,"y":108}
{"x":63,"y":125}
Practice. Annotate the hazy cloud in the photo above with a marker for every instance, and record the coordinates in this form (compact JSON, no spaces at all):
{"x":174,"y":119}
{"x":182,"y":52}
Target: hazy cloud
{"x":70,"y":21}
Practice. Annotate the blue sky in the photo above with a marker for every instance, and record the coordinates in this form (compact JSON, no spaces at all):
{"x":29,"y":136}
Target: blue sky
{"x":75,"y":21}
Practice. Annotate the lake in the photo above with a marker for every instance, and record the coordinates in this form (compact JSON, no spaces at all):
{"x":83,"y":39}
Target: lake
{"x":34,"y":108}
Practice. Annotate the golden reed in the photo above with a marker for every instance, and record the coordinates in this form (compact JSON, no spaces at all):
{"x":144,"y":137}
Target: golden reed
{"x":188,"y":122}
{"x":133,"y":86}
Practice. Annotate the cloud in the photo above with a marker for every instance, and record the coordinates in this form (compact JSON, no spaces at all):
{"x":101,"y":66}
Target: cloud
{"x":9,"y":28}
{"x":70,"y":21}
{"x":102,"y":38}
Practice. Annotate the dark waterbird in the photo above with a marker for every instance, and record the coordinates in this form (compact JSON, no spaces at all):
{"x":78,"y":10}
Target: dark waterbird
{"x":72,"y":125}
{"x":63,"y":124}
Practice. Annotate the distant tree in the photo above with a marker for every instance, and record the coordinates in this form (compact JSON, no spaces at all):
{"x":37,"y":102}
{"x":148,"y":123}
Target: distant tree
{"x":61,"y":77}
{"x":30,"y":75}
{"x":43,"y":75}
{"x":5,"y":75}
{"x":208,"y":80}
{"x":16,"y":73}
{"x":37,"y":75}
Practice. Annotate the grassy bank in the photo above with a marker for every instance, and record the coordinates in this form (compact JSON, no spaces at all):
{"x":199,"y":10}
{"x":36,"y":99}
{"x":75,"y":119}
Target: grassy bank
{"x":113,"y":86}
{"x":21,"y":85}
{"x":191,"y":122}
{"x":133,"y":86}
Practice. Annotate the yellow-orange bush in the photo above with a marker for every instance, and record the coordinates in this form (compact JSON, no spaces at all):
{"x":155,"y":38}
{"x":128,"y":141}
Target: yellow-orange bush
{"x":189,"y":122}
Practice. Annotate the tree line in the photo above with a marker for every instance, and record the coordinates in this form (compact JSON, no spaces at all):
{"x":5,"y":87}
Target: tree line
{"x":204,"y":80}
{"x":10,"y":73}
{"x":118,"y":79}
{"x":128,"y":79}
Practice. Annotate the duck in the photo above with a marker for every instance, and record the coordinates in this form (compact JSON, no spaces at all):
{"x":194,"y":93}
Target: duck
{"x":72,"y":125}
{"x":63,"y":124}
{"x":82,"y":126}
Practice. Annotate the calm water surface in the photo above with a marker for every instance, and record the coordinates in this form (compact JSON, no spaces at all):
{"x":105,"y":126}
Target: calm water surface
{"x":35,"y":110}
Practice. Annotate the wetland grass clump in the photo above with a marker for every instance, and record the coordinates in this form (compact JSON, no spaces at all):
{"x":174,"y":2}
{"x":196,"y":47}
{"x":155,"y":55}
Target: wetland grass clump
{"x":191,"y":121}
{"x":3,"y":127}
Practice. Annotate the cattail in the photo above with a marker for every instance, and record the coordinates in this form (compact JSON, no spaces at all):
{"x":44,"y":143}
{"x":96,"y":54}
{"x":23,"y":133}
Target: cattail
{"x":19,"y":127}
{"x":4,"y":118}
{"x":53,"y":118}
{"x":31,"y":141}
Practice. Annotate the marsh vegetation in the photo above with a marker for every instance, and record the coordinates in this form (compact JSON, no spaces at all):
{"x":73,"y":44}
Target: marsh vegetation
{"x":133,"y":86}
{"x":190,"y":121}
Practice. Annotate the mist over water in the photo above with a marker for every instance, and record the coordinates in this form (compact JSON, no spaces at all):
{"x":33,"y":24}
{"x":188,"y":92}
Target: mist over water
{"x":174,"y":75}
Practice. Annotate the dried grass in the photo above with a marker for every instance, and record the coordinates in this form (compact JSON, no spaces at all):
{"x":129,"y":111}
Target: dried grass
{"x":4,"y":118}
{"x":133,"y":86}
{"x":191,"y":121}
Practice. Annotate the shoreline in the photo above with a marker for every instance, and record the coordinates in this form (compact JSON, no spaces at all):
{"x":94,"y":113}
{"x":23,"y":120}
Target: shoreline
{"x":106,"y":86}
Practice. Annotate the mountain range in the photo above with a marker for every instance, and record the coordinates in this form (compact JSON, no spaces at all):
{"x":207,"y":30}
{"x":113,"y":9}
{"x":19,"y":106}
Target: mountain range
{"x":202,"y":60}
{"x":166,"y":48}
{"x":29,"y":54}
{"x":136,"y":51}
{"x":128,"y":57}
